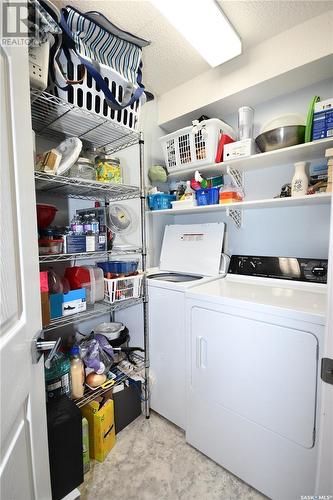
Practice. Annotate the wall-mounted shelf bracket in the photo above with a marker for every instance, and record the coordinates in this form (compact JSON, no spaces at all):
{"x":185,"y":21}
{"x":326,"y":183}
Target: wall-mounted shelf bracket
{"x":237,"y":178}
{"x":236,"y":216}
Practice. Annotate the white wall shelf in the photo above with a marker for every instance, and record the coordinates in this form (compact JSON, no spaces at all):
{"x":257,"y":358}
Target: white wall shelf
{"x":302,"y":152}
{"x":315,"y":199}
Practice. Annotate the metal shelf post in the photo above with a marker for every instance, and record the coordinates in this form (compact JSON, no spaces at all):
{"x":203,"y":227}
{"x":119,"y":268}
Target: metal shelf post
{"x":144,"y":268}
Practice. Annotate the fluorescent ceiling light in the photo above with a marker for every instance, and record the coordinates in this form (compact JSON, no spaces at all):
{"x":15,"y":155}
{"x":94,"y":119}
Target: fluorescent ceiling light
{"x":204,"y":26}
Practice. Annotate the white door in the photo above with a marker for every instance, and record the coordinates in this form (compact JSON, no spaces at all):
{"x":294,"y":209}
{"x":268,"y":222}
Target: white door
{"x":24,"y":469}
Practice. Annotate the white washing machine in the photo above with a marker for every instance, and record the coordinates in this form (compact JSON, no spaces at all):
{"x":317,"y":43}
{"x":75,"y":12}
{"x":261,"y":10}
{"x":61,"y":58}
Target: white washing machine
{"x":190,"y":255}
{"x":253,"y":371}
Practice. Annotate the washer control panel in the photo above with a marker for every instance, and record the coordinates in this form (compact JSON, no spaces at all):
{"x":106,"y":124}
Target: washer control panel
{"x":288,"y":268}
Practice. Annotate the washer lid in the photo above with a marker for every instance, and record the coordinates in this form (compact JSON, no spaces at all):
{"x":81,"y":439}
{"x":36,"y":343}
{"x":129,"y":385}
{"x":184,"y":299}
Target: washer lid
{"x":192,"y":248}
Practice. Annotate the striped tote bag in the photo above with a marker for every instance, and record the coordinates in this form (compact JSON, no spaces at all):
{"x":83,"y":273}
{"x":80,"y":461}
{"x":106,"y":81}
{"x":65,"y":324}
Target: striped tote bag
{"x":96,"y":41}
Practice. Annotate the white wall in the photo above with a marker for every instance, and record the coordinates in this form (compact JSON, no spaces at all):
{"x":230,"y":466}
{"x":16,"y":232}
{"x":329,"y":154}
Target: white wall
{"x":278,"y":65}
{"x":301,"y":231}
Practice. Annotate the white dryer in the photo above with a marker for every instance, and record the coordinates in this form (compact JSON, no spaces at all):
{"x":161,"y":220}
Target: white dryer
{"x":191,"y":254}
{"x":253,"y":371}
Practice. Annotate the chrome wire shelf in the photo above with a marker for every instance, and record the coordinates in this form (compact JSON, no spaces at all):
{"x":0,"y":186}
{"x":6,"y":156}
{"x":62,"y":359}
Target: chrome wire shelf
{"x":90,"y":395}
{"x":86,"y":255}
{"x":82,"y":189}
{"x":56,"y":119}
{"x":96,"y":309}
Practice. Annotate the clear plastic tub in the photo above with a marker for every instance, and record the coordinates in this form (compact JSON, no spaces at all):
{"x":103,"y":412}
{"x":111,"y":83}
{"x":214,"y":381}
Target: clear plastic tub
{"x":95,"y":287}
{"x":84,"y":168}
{"x":89,"y":277}
{"x":47,"y":246}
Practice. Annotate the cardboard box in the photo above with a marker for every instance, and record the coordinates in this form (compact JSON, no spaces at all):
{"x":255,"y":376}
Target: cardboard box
{"x":91,"y":243}
{"x":56,"y":300}
{"x":239,"y":149}
{"x":101,"y":242}
{"x":46,"y":316}
{"x":74,"y":302}
{"x":323,"y":120}
{"x":44,"y":281}
{"x":74,"y":243}
{"x":102,"y":436}
{"x":323,"y":105}
{"x":65,"y":304}
{"x":85,"y":445}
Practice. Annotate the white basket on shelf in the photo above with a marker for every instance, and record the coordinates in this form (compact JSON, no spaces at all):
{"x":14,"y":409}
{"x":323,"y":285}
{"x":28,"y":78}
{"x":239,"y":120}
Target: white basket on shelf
{"x":88,"y":96}
{"x":194,"y":146}
{"x":119,"y":289}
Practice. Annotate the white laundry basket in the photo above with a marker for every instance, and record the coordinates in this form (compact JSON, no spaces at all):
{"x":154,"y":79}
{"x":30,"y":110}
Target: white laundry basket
{"x":88,"y":96}
{"x":194,"y":146}
{"x":120,"y":289}
{"x":39,"y":65}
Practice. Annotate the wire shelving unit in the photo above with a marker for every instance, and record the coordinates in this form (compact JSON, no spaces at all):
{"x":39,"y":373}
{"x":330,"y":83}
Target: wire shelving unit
{"x":81,"y":189}
{"x":56,"y":119}
{"x":137,"y":369}
{"x":97,"y":309}
{"x":63,"y":257}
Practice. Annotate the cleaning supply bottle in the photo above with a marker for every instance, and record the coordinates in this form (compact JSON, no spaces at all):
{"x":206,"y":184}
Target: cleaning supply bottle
{"x":57,"y":378}
{"x":188,"y":195}
{"x":77,"y":373}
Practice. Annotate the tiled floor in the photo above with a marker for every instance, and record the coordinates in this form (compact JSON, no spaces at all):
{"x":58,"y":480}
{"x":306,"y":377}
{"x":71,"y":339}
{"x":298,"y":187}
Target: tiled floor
{"x":152,"y":461}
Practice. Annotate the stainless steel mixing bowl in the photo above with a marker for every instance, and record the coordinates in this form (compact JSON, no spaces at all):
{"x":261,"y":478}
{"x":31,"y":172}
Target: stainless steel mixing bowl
{"x":281,"y":137}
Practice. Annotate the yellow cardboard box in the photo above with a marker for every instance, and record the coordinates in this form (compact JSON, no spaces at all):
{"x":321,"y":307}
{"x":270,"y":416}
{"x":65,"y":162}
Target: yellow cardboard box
{"x":102,"y":436}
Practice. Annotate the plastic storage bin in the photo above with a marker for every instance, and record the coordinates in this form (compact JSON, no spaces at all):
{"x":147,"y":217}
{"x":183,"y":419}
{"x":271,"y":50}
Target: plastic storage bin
{"x":160,"y":201}
{"x":89,"y":277}
{"x":119,"y":267}
{"x":202,"y":197}
{"x":120,"y":289}
{"x":213,"y":195}
{"x":47,"y":246}
{"x":194,"y":146}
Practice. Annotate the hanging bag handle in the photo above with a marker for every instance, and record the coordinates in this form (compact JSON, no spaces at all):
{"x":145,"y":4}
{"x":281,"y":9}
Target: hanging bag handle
{"x":95,"y":74}
{"x":60,"y":75}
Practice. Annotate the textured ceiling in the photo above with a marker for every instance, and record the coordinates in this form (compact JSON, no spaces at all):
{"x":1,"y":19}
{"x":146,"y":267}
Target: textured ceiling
{"x":170,"y":60}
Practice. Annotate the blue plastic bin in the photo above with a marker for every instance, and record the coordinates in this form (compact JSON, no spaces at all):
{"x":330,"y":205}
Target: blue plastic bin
{"x":202,"y":197}
{"x":119,"y":266}
{"x":213,"y":195}
{"x":160,"y":201}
